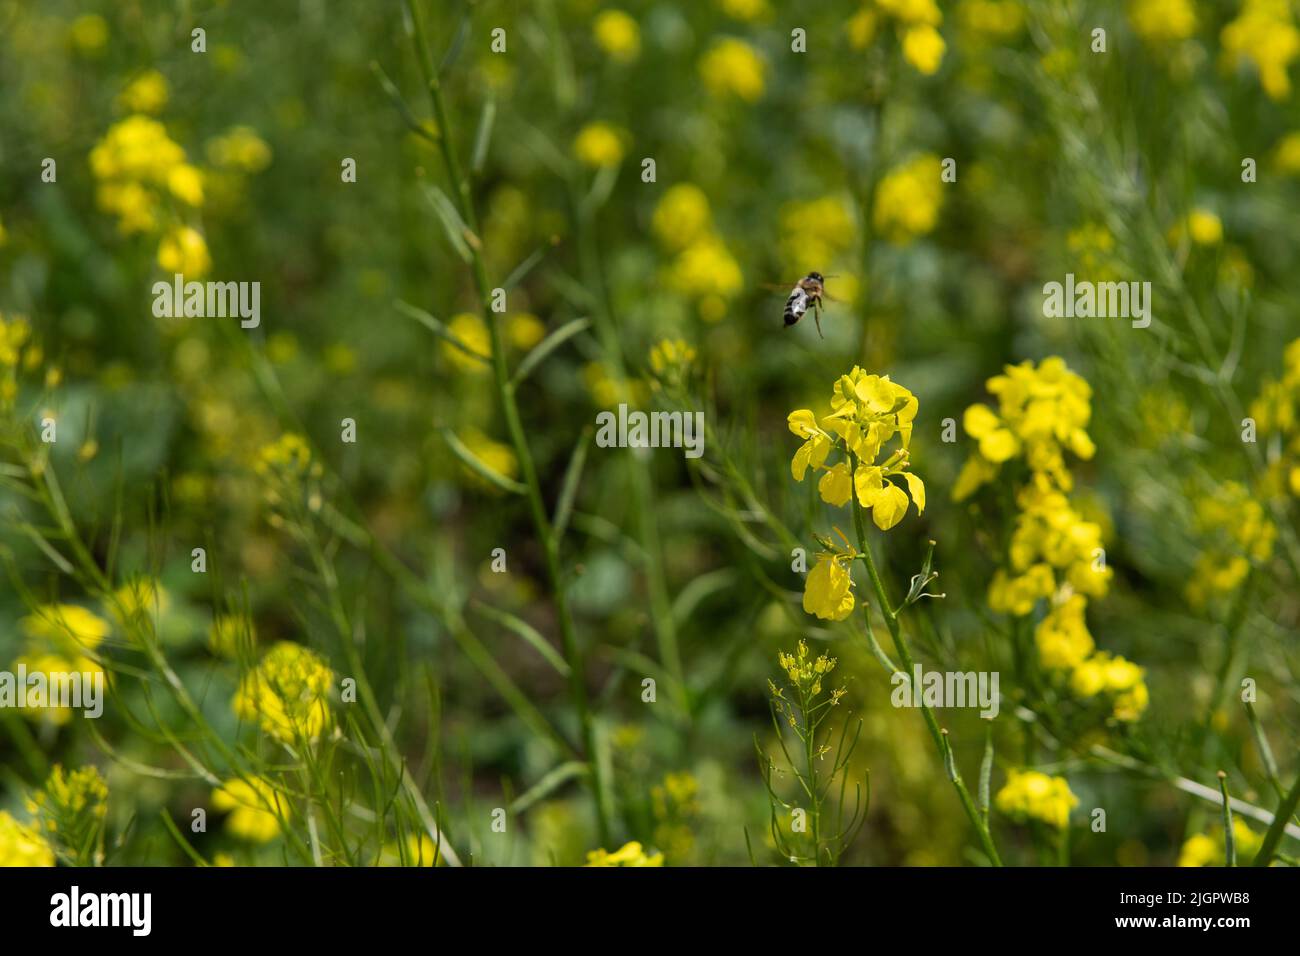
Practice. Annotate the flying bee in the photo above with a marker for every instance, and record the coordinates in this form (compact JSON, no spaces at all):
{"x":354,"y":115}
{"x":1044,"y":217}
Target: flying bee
{"x":808,"y":293}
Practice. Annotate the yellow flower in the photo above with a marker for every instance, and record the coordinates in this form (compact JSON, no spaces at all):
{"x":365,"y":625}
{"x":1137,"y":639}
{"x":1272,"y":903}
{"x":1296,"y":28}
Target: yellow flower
{"x":255,"y":808}
{"x":682,"y":216}
{"x":22,"y":845}
{"x":239,"y":148}
{"x":1162,"y":21}
{"x":420,"y":851}
{"x":89,"y":33}
{"x":1265,"y":35}
{"x":72,"y":806}
{"x":836,"y":485}
{"x":996,"y":19}
{"x":599,"y":144}
{"x":60,"y":624}
{"x":706,"y":269}
{"x":923,"y":47}
{"x":827,"y":588}
{"x":183,"y":251}
{"x":816,"y":232}
{"x":804,"y":671}
{"x":1203,"y":227}
{"x":287,"y":693}
{"x":229,"y":633}
{"x":816,"y":446}
{"x":1042,"y":413}
{"x":669,"y":354}
{"x":747,"y":10}
{"x":908,"y":200}
{"x":185,"y":182}
{"x":629,"y":854}
{"x":472,"y":332}
{"x":618,"y":35}
{"x":53,"y":665}
{"x":1209,"y":849}
{"x":524,"y":330}
{"x":733,"y":68}
{"x":912,"y":11}
{"x":496,"y":456}
{"x":147,"y":93}
{"x":1030,"y":795}
{"x":1287,"y":154}
{"x":1062,"y":636}
{"x":139,"y":597}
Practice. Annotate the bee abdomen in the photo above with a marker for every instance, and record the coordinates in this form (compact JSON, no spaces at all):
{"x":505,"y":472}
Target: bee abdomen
{"x":795,"y":306}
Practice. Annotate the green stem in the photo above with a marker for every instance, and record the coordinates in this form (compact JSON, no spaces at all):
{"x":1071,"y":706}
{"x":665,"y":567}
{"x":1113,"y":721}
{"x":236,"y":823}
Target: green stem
{"x":510,"y":411}
{"x":1274,"y":835}
{"x":931,"y":722}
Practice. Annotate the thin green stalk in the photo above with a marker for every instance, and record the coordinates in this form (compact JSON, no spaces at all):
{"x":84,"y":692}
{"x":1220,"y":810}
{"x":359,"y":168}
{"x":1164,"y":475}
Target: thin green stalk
{"x":932,"y":723}
{"x":1274,"y":835}
{"x":510,"y":411}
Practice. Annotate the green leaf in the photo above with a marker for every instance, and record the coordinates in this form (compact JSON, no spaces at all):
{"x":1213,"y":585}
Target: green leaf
{"x":478,"y":466}
{"x":546,"y":346}
{"x":484,"y":136}
{"x":569,"y":490}
{"x":458,"y":234}
{"x":530,"y":634}
{"x":438,"y":329}
{"x":525,"y":267}
{"x":548,"y":784}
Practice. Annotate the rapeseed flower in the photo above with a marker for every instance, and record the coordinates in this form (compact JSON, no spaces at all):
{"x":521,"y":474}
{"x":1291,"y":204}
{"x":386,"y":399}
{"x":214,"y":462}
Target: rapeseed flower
{"x":1265,"y":35}
{"x":617,"y":34}
{"x":629,"y":854}
{"x":732,"y":68}
{"x":908,"y":200}
{"x":255,"y":808}
{"x":1030,"y":795}
{"x":599,"y":144}
{"x":22,"y":845}
{"x":287,"y":693}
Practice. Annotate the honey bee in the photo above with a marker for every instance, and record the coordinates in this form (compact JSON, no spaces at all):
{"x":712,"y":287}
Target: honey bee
{"x":808,"y":293}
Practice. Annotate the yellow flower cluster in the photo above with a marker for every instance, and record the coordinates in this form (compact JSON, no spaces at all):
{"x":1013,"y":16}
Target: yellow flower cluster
{"x":287,"y":693}
{"x":732,"y":68}
{"x":992,"y":19}
{"x":814,"y":233}
{"x":1276,"y":411}
{"x":629,"y":854}
{"x":1030,"y":795}
{"x":1054,"y":554}
{"x":239,"y":149}
{"x":917,"y":24}
{"x":71,"y":807}
{"x":1052,"y":549}
{"x":146,"y":93}
{"x":867,"y":411}
{"x":15,"y":333}
{"x":908,"y":200}
{"x":60,"y":639}
{"x":703,"y":270}
{"x":1162,"y":21}
{"x":1264,"y":34}
{"x":617,"y":34}
{"x":1241,"y":534}
{"x":1042,"y":412}
{"x":804,"y":671}
{"x":145,"y":180}
{"x":671,"y":361}
{"x":1121,"y":681}
{"x":599,"y":144}
{"x":1207,"y":849}
{"x":497,"y":456}
{"x":22,"y":845}
{"x":674,"y":803}
{"x":255,"y":808}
